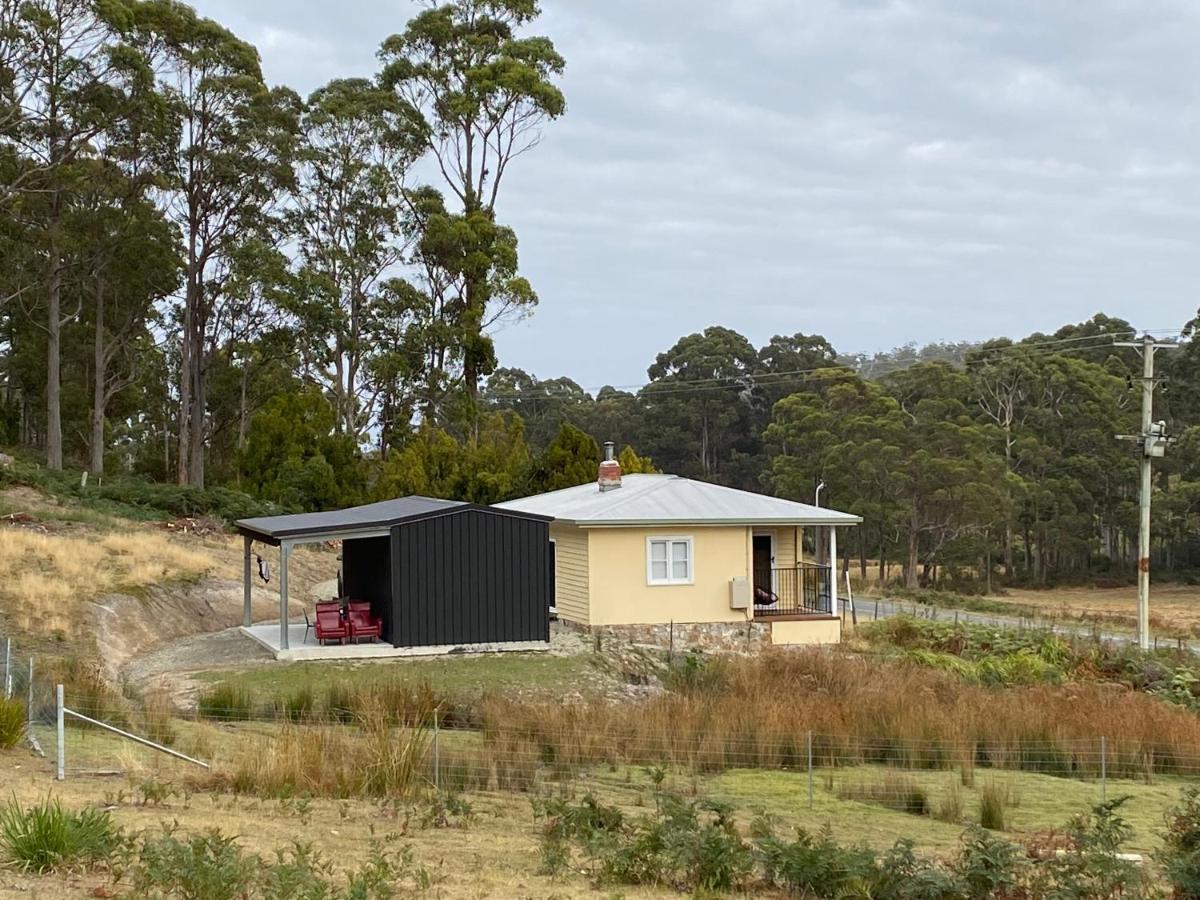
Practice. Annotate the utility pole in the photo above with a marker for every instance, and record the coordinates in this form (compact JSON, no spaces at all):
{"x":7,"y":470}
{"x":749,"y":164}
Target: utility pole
{"x":1152,"y":442}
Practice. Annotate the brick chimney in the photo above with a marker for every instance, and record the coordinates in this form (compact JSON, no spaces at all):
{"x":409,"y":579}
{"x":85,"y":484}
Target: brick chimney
{"x":609,"y":477}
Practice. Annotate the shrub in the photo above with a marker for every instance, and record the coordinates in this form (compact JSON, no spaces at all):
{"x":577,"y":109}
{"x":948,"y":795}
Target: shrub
{"x":1179,"y":857}
{"x":817,"y":866}
{"x":988,"y":866}
{"x":208,"y":866}
{"x":899,"y":792}
{"x":46,"y":837}
{"x":692,"y":844}
{"x":226,"y":702}
{"x":1091,"y":864}
{"x":12,"y":723}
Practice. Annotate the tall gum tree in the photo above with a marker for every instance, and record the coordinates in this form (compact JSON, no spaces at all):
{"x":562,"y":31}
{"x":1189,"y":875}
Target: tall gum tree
{"x":355,"y":151}
{"x":64,"y":59}
{"x":231,"y":170}
{"x":478,"y":95}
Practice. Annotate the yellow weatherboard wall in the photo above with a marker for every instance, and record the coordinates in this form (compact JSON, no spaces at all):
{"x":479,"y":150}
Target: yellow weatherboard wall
{"x":570,"y":572}
{"x":807,"y":631}
{"x":619,"y":594}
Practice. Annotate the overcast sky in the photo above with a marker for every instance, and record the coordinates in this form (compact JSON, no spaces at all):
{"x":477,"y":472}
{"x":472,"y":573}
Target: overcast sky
{"x":877,"y":171}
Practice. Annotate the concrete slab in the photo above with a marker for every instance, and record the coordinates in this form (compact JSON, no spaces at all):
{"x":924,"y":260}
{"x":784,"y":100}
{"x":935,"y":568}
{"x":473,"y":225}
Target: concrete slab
{"x":267,"y":634}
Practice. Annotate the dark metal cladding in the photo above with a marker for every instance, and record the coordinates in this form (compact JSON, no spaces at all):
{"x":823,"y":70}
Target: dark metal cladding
{"x":470,"y":576}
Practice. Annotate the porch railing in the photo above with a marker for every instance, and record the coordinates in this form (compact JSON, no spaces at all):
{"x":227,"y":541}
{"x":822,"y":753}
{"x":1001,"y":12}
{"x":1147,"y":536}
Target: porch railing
{"x":796,"y":590}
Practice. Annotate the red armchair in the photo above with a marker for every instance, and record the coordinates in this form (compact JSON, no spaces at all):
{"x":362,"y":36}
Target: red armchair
{"x":330,"y":627}
{"x":362,"y":623}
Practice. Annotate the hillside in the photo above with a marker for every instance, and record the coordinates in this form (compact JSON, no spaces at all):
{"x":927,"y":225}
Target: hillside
{"x":104,"y":573}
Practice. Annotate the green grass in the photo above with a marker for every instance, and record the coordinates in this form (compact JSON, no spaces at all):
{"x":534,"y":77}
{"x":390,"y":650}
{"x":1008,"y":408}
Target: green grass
{"x":455,"y":675}
{"x":1041,"y":802}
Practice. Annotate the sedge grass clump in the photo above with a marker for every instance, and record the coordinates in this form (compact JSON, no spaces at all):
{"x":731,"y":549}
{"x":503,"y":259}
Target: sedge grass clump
{"x":994,"y":801}
{"x":226,"y":702}
{"x":46,"y":837}
{"x":12,"y":723}
{"x":894,"y":791}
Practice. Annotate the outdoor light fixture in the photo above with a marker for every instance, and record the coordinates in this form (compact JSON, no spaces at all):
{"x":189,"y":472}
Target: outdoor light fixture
{"x":264,"y":568}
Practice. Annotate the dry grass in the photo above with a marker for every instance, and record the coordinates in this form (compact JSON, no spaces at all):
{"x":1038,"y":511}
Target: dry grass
{"x":1175,"y":608}
{"x":48,"y":576}
{"x":860,"y":712}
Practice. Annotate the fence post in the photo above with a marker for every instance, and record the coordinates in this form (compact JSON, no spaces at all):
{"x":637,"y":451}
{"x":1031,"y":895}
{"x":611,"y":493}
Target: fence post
{"x":1103,"y":769}
{"x":29,"y":705}
{"x":810,"y":771}
{"x":8,"y":668}
{"x":62,"y":744}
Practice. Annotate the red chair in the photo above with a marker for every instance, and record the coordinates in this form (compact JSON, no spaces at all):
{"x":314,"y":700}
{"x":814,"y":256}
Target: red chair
{"x":331,"y":626}
{"x":363,"y":624}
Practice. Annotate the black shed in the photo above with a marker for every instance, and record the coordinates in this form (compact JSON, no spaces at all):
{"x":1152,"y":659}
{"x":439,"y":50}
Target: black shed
{"x":438,"y":572}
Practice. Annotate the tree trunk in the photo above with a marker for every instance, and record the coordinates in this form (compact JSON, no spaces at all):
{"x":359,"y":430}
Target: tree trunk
{"x":882,"y":560}
{"x":199,"y":407}
{"x":910,"y":569}
{"x":186,"y":352}
{"x":54,"y":439}
{"x":98,"y":379}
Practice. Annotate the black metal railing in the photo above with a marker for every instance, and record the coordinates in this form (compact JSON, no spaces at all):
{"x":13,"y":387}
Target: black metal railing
{"x":797,"y":590}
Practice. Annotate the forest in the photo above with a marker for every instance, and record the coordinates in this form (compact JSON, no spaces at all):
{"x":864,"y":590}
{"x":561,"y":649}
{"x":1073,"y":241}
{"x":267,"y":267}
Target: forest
{"x":208,"y":280}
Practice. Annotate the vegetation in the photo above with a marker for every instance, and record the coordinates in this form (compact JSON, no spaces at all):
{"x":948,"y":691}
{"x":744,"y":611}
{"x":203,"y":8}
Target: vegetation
{"x":211,"y":281}
{"x":45,"y":836}
{"x":12,"y":723}
{"x":1003,"y":656}
{"x":698,"y":847}
{"x":49,"y":576}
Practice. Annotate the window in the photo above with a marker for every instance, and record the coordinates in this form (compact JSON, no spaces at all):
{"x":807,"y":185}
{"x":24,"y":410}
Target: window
{"x":669,"y":560}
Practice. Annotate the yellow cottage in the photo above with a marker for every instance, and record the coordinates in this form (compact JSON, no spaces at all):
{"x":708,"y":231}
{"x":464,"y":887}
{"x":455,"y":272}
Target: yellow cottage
{"x":670,"y":560}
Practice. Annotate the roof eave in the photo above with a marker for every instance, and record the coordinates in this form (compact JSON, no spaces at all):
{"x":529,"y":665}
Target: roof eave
{"x":633,"y":523}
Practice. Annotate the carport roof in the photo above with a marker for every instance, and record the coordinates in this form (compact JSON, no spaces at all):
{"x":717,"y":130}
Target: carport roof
{"x":356,"y":521}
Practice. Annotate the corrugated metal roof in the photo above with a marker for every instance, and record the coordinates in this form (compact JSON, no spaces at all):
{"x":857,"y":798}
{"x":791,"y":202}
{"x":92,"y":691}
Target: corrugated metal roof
{"x":672,"y":500}
{"x":370,"y":517}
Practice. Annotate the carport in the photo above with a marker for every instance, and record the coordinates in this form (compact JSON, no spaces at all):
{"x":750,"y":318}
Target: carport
{"x":437,"y":572}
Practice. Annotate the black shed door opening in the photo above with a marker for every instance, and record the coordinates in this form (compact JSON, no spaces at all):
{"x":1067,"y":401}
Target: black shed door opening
{"x":470,"y":576}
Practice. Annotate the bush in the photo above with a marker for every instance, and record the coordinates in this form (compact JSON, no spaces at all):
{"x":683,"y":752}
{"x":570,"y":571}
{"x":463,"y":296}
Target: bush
{"x":226,"y":702}
{"x":46,"y":837}
{"x":208,"y":866}
{"x":691,"y":844}
{"x":1091,"y":864}
{"x":1179,"y":857}
{"x":12,"y":723}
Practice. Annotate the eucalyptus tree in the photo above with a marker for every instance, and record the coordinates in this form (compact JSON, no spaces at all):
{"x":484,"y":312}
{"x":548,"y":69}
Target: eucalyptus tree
{"x":355,"y":151}
{"x":63,"y":61}
{"x":478,"y":93}
{"x":702,"y":400}
{"x":231,"y":169}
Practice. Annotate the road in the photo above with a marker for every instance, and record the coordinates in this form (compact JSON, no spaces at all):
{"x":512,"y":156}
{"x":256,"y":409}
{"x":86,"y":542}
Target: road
{"x":870,"y":609}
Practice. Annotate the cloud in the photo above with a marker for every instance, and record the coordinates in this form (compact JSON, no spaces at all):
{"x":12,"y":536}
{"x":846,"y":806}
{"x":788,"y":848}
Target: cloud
{"x":877,"y":171}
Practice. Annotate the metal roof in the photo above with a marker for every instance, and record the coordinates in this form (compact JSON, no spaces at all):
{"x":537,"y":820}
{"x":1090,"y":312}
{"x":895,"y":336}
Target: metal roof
{"x":356,"y":521}
{"x":673,"y":500}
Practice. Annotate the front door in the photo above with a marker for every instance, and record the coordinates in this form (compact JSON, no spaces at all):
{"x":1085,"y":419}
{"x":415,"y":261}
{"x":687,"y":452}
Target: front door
{"x":764,"y":592}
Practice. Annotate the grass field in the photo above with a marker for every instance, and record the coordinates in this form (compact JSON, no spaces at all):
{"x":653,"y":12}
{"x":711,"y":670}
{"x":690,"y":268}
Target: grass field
{"x":508,"y":673}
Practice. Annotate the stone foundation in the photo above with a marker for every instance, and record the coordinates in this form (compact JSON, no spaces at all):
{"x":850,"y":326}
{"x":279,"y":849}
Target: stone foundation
{"x":711,"y":637}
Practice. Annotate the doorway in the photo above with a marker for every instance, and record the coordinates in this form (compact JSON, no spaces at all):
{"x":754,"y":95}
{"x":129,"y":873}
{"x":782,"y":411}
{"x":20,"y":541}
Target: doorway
{"x":763,"y":560}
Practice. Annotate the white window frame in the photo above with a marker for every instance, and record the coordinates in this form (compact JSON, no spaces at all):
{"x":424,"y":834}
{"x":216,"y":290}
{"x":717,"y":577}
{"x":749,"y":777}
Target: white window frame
{"x":669,"y":540}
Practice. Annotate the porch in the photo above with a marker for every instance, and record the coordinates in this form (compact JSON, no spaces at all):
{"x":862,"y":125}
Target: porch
{"x":804,"y":589}
{"x":793,"y":571}
{"x":302,"y":644}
